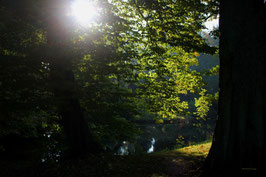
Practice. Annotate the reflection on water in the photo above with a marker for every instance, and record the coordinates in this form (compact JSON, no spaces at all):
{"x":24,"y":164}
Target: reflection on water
{"x":127,"y":148}
{"x":124,"y":149}
{"x":152,"y":146}
{"x":154,"y":138}
{"x":157,"y":137}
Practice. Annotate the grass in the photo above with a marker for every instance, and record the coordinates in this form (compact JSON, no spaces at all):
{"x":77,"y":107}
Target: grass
{"x":185,"y":161}
{"x":201,"y":149}
{"x":196,"y":150}
{"x":181,"y":162}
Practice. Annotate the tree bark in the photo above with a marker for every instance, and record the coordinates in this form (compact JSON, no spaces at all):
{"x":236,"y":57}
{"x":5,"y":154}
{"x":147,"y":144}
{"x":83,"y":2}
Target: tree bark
{"x":80,"y":139}
{"x":239,"y":142}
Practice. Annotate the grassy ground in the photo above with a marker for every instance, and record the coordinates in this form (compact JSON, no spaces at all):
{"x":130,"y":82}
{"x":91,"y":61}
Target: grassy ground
{"x":198,"y":150}
{"x":183,"y":162}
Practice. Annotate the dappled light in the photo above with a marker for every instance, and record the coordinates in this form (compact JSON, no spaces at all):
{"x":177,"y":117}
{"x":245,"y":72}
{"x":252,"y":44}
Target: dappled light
{"x":200,"y":150}
{"x":132,"y":88}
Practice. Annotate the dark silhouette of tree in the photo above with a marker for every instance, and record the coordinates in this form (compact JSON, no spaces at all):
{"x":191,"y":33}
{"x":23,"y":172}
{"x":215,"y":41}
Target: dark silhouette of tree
{"x":239,"y":142}
{"x":36,"y":43}
{"x":63,"y":81}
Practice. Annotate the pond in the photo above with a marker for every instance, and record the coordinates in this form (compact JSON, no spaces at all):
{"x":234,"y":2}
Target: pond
{"x":158,"y":137}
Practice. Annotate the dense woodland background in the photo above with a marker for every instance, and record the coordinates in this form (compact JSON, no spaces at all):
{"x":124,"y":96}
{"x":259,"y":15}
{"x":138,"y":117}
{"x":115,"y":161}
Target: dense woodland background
{"x":142,"y":77}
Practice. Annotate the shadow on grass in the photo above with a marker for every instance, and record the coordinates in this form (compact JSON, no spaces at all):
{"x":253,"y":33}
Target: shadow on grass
{"x":106,"y":165}
{"x":180,"y":162}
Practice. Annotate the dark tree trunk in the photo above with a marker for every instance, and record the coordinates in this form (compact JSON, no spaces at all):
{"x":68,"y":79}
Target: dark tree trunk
{"x":239,"y":143}
{"x":63,"y":83}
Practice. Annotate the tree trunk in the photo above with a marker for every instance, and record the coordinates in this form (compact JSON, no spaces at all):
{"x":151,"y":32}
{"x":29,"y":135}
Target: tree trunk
{"x":239,"y":142}
{"x":63,"y":83}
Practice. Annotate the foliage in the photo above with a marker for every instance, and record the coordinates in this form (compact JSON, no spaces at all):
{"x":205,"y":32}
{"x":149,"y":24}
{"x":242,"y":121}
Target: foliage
{"x":25,"y":97}
{"x":203,"y":104}
{"x":163,"y":81}
{"x":137,"y":59}
{"x":104,"y":76}
{"x":165,"y":39}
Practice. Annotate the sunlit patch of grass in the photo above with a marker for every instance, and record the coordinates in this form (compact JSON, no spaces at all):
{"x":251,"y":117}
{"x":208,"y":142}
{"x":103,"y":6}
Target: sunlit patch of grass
{"x":186,"y":161}
{"x":196,"y":150}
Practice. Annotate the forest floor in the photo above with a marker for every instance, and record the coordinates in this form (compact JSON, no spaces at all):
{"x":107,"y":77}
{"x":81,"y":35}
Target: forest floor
{"x":183,"y":162}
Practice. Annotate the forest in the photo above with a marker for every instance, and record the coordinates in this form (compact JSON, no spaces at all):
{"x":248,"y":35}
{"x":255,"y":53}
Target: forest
{"x":127,"y":88}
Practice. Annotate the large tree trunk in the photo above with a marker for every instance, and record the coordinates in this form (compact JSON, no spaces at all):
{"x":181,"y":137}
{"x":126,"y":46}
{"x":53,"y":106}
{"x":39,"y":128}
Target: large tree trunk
{"x":63,"y":83}
{"x":239,"y":143}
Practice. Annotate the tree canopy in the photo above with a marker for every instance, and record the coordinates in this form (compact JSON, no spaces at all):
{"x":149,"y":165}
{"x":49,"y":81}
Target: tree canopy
{"x":138,"y":56}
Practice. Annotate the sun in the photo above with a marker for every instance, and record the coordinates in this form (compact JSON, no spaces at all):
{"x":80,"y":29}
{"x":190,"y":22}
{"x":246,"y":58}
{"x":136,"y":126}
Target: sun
{"x":84,"y":12}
